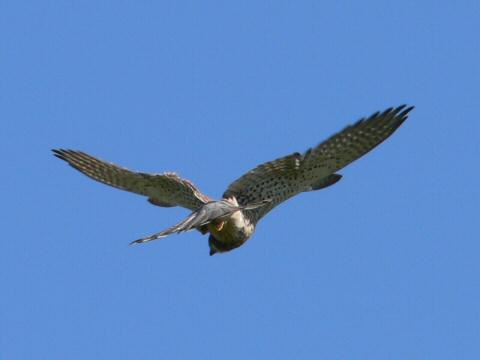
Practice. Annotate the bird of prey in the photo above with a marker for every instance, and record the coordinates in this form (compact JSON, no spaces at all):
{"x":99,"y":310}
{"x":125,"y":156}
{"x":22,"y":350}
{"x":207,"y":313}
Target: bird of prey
{"x":231,"y":221}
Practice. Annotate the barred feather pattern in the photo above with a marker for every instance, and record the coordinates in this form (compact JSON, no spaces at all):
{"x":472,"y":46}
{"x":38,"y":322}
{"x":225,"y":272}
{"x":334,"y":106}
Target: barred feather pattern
{"x":166,"y":189}
{"x":280,"y":179}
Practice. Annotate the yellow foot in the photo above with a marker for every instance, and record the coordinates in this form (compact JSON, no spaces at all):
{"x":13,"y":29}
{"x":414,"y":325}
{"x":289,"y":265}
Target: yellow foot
{"x":219,"y":226}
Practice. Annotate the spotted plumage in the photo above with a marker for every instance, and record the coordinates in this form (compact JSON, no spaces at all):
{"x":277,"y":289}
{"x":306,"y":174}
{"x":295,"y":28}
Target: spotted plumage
{"x":232,"y":220}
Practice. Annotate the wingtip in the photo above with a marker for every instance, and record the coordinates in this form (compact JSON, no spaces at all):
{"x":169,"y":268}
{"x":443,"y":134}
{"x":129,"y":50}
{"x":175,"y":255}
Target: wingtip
{"x":404,"y":110}
{"x":72,"y":157}
{"x":59,"y":153}
{"x":137,"y":242}
{"x":404,"y":107}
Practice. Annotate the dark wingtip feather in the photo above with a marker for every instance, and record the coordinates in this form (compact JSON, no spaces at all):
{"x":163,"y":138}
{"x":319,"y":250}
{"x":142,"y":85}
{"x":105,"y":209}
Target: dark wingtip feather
{"x":389,"y":110}
{"x":373,"y":116}
{"x":68,"y":155}
{"x":136,"y":242}
{"x":59,"y":153}
{"x":401,"y":114}
{"x":405,"y":111}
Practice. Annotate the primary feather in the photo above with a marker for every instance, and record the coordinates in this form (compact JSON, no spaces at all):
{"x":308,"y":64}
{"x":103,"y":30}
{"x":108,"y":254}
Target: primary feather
{"x":232,"y":220}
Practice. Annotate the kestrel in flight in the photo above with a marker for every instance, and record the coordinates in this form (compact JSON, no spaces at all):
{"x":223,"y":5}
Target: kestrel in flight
{"x":231,"y":221}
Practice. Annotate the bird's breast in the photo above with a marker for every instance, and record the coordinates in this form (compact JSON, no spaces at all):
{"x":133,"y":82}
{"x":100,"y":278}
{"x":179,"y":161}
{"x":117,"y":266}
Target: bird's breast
{"x":235,"y":230}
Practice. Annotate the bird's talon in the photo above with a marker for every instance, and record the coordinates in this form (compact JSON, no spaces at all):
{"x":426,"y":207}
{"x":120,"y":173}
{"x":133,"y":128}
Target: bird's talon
{"x":219,"y":226}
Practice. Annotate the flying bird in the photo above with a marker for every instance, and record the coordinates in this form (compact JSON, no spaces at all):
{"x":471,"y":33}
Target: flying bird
{"x":231,"y":221}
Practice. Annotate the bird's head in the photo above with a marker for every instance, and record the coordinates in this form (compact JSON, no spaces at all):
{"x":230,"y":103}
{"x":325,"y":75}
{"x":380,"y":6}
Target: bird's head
{"x":217,"y":246}
{"x":214,"y":245}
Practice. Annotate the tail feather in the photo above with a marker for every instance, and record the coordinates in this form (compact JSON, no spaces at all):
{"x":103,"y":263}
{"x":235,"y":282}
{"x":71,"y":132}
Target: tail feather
{"x":201,"y":217}
{"x":182,"y":226}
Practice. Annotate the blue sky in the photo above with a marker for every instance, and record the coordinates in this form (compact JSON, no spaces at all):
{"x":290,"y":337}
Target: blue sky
{"x":383,"y":265}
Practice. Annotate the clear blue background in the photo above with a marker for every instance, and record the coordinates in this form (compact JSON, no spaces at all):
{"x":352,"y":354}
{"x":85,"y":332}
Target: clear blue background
{"x":383,"y":265}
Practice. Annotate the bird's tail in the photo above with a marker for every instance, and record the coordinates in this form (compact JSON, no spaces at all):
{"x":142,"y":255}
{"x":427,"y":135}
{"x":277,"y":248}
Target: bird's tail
{"x":201,"y":217}
{"x":185,"y":225}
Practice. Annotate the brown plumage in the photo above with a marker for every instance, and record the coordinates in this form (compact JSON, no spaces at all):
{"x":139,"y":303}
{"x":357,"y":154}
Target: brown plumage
{"x":232,"y":220}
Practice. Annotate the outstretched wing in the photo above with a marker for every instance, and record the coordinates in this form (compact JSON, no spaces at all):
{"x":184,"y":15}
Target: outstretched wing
{"x":166,"y":189}
{"x":285,"y":177}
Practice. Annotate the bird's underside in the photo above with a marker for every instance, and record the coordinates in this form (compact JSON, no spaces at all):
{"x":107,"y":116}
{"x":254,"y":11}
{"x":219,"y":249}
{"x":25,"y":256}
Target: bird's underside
{"x":232,"y":220}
